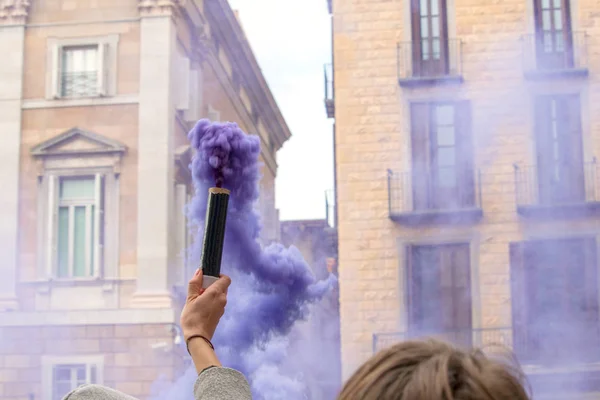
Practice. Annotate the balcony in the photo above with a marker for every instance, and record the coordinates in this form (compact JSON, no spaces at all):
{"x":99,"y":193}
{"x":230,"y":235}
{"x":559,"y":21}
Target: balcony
{"x":79,"y":84}
{"x":544,"y":349}
{"x":555,"y":55}
{"x":424,"y":202}
{"x":419,"y":67}
{"x":568,"y":191}
{"x":329,"y":97}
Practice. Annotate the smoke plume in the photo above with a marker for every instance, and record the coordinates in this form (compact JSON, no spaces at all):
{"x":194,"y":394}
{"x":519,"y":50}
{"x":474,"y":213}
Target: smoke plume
{"x":272,"y":287}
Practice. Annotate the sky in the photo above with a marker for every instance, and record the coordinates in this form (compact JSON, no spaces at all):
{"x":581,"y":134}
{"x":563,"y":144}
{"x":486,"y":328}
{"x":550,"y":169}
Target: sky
{"x":292,"y":41}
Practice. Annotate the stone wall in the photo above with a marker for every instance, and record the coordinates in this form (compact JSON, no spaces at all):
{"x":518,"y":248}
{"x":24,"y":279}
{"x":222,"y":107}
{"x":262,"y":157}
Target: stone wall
{"x":373,"y":136}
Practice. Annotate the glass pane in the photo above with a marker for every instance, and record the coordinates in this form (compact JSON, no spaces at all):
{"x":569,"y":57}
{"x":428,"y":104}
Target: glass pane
{"x":92,"y":377}
{"x":81,"y":375}
{"x":435,"y":27}
{"x":62,"y":374}
{"x":559,"y":42}
{"x":79,"y":260}
{"x":77,"y":188}
{"x":80,"y":59}
{"x":435,"y":49}
{"x":61,"y":389}
{"x":424,"y":27}
{"x":447,"y":177}
{"x":435,"y":10}
{"x":557,"y":4}
{"x":423,"y":8}
{"x":446,"y":156}
{"x":546,"y":21}
{"x":63,"y":242}
{"x":545,"y":4}
{"x":548,"y":45}
{"x":557,"y":20}
{"x":444,"y":115}
{"x":425,"y":50}
{"x":445,"y":136}
{"x":92,"y":236}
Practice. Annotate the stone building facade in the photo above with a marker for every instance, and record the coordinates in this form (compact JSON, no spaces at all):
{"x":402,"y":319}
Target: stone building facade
{"x":96,"y":101}
{"x":468,"y":190}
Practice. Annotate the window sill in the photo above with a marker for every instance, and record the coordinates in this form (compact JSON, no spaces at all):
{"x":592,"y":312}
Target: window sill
{"x":433,"y":217}
{"x":540,"y":75}
{"x":80,"y":102}
{"x":557,"y":211}
{"x":430,"y":81}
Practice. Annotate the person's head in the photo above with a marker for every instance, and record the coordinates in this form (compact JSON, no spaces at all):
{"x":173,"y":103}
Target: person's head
{"x":433,"y":370}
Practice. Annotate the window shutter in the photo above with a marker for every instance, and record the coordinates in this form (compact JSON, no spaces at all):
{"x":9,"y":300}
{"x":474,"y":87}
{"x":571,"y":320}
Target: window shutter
{"x":56,"y":72}
{"x":99,"y":225}
{"x":465,"y":163}
{"x":421,"y":177}
{"x":51,"y":236}
{"x":412,"y":291}
{"x":543,"y":144}
{"x":103,"y":68}
{"x":517,"y":251}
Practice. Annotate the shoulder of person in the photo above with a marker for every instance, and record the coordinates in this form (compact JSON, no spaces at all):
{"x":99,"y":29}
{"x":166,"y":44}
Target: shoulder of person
{"x":96,"y":392}
{"x":219,"y":383}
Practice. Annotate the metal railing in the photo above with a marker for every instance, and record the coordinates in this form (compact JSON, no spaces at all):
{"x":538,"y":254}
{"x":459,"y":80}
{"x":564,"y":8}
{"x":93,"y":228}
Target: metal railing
{"x":79,"y":84}
{"x":555,"y":51}
{"x":404,"y":196}
{"x":466,"y":338}
{"x":329,"y":94}
{"x":429,"y":59}
{"x":564,"y":185}
{"x":531,"y":347}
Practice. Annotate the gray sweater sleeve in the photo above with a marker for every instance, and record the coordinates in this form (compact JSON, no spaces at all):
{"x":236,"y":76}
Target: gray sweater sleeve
{"x":220,"y":383}
{"x":215,"y":383}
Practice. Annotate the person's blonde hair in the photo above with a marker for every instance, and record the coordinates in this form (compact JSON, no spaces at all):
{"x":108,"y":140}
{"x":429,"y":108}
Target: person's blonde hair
{"x":433,"y":370}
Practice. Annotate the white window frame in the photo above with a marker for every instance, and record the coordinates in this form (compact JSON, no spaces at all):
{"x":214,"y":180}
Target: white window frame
{"x":106,"y":60}
{"x":50,"y":362}
{"x":52,"y":187}
{"x":93,"y":266}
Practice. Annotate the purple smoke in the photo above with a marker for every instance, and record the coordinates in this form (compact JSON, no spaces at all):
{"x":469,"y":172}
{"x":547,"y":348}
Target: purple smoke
{"x":273,"y":287}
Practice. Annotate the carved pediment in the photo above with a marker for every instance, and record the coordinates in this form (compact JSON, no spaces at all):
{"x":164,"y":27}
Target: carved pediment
{"x":77,"y":142}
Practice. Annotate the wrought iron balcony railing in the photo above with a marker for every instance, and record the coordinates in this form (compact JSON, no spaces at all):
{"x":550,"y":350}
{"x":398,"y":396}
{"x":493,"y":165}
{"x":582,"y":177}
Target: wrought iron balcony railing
{"x":562,"y":185}
{"x":555,"y":53}
{"x":466,"y":338}
{"x":546,"y":347}
{"x":329,"y":94}
{"x":429,"y":61}
{"x":79,"y":84}
{"x":425,"y":198}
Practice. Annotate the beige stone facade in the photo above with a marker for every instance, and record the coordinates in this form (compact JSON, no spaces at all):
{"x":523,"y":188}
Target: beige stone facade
{"x":489,"y":52}
{"x":103,"y":94}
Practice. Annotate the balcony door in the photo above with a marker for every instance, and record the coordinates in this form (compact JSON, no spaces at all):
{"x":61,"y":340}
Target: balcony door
{"x":560,"y":166}
{"x":555,"y":300}
{"x":554,"y":39}
{"x":439,"y":292}
{"x":429,"y":38}
{"x":442,"y":174}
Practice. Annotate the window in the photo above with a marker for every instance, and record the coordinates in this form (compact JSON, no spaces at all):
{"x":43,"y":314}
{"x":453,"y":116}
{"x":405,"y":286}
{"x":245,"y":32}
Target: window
{"x":440,"y":291}
{"x":80,"y":71}
{"x":78,"y":219}
{"x":559,"y":149}
{"x":80,"y":68}
{"x":66,"y":378}
{"x":555,"y":299}
{"x":429,"y":37}
{"x":442,"y":176}
{"x":553,"y":34}
{"x":63,"y":374}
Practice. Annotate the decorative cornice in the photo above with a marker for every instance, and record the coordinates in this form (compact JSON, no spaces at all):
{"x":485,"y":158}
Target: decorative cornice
{"x":159,"y":8}
{"x":14,"y":12}
{"x":51,"y":147}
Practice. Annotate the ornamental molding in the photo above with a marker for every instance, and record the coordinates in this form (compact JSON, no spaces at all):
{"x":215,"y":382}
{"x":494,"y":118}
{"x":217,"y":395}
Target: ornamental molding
{"x":14,"y":12}
{"x":158,"y":8}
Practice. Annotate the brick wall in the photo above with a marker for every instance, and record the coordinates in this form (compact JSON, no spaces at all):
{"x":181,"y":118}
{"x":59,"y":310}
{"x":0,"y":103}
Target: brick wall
{"x":372,"y":136}
{"x":130,"y":363}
